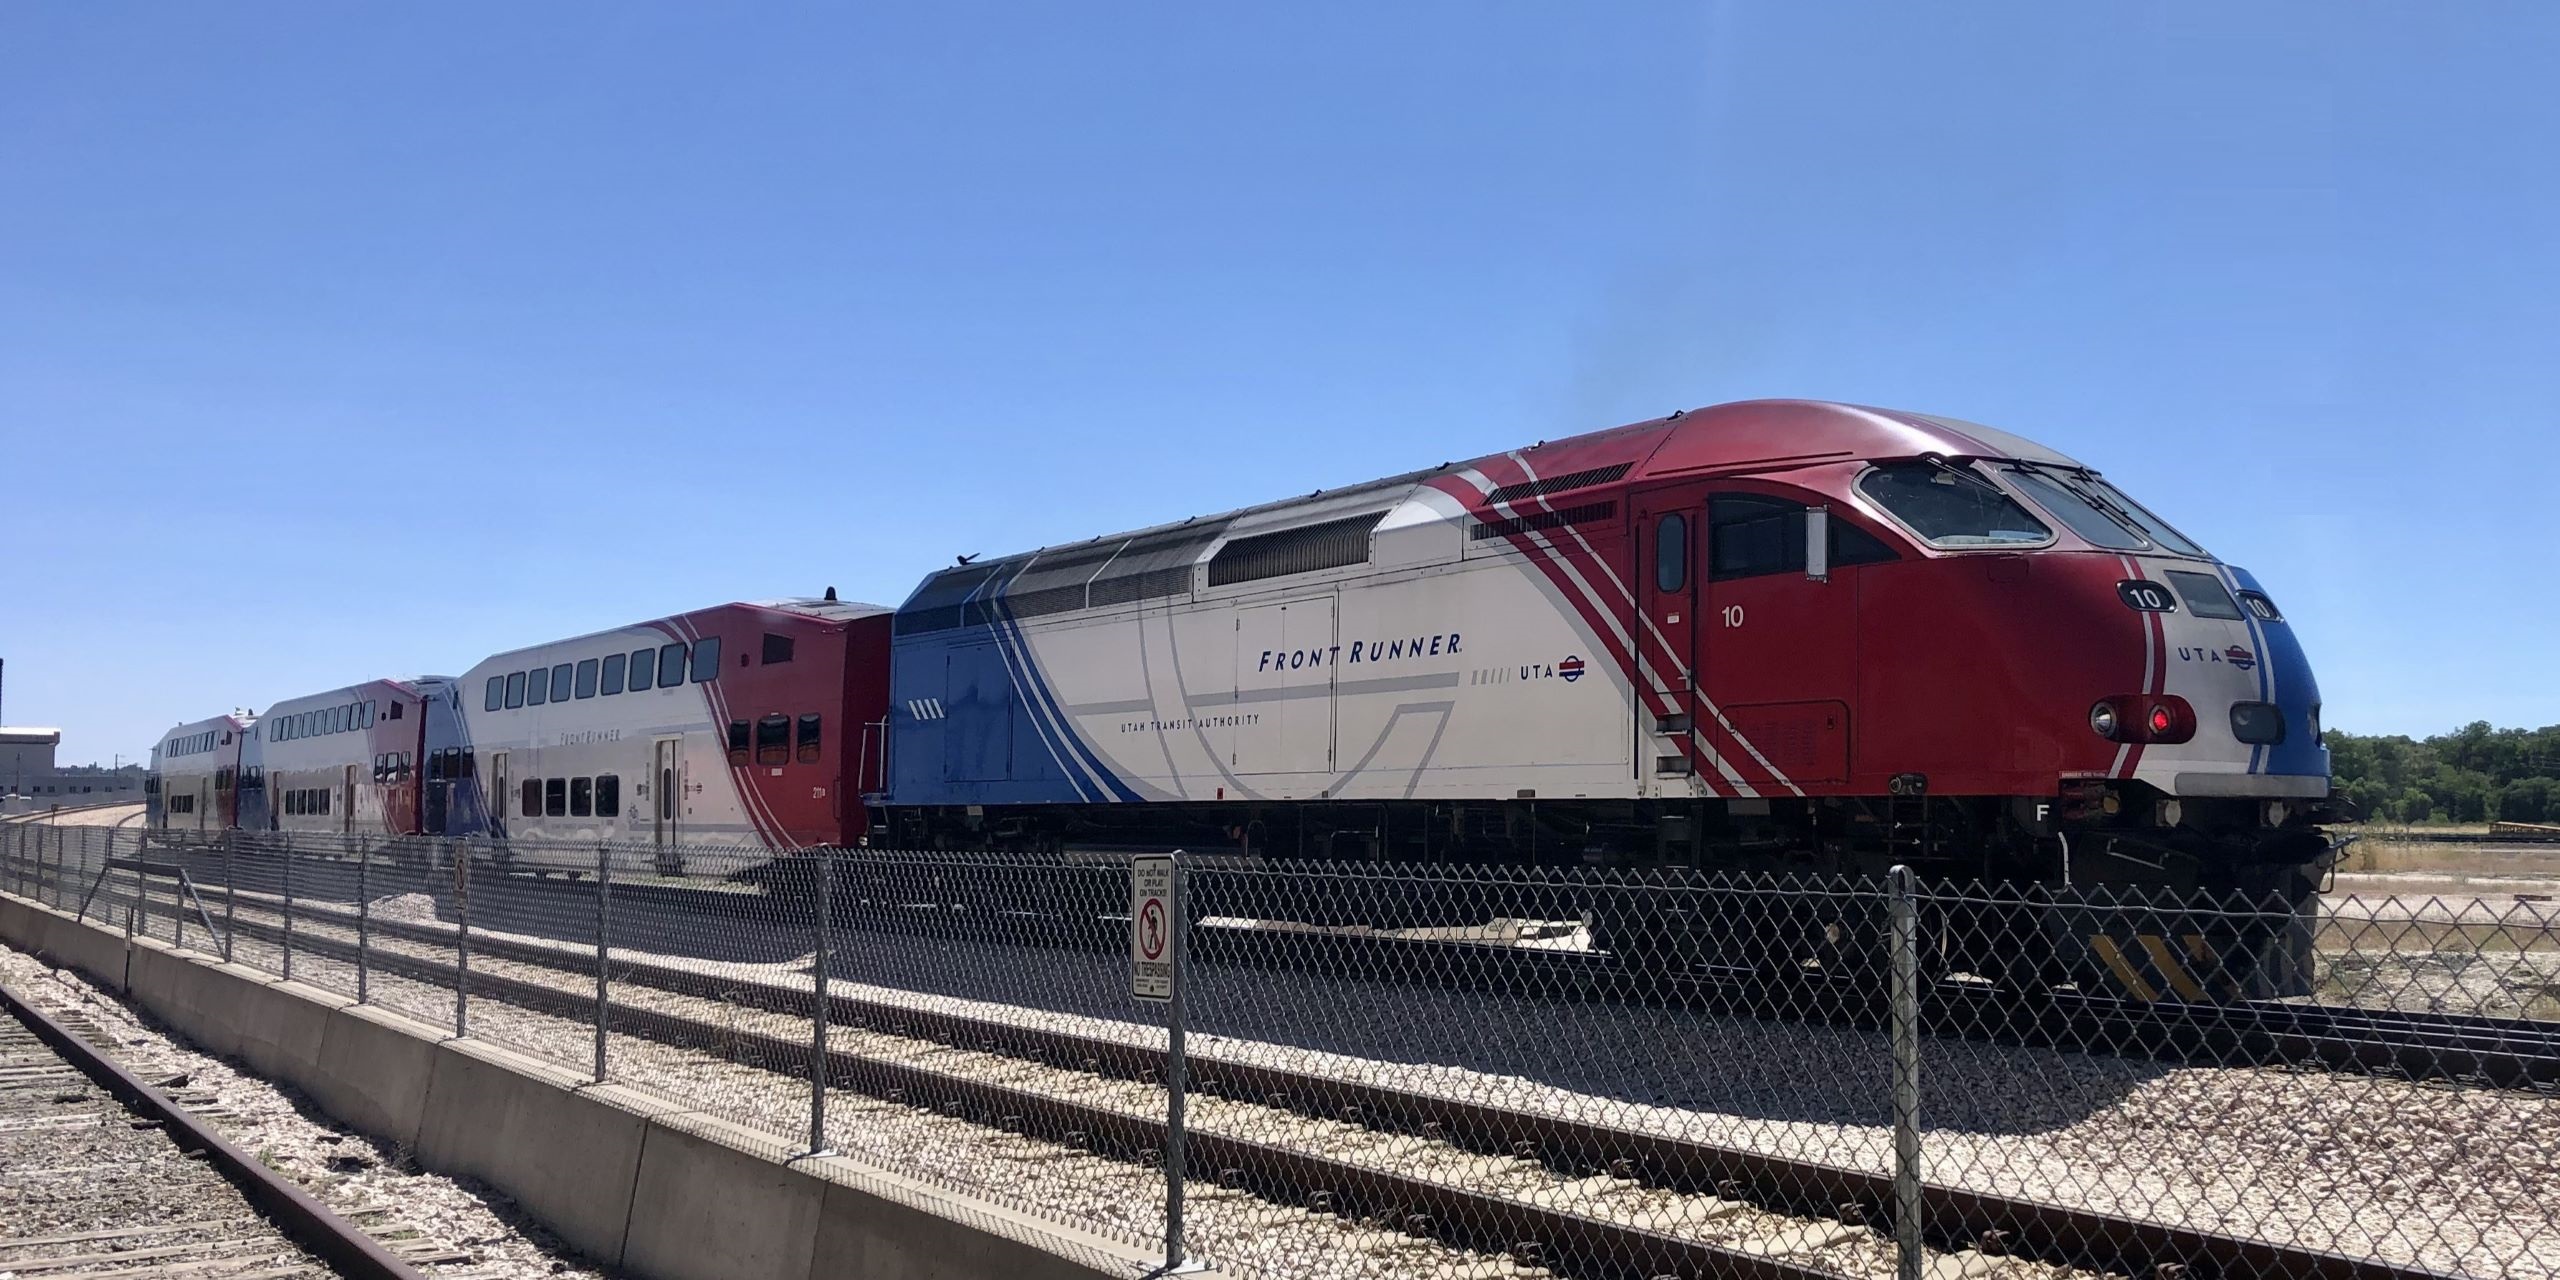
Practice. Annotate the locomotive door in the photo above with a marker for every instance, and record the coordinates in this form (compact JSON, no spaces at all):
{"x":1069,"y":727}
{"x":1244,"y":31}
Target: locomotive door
{"x":1667,"y":535}
{"x":1783,"y":643}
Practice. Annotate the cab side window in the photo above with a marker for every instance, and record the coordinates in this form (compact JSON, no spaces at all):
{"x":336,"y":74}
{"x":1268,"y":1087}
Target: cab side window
{"x":1750,"y":536}
{"x":1671,"y":553}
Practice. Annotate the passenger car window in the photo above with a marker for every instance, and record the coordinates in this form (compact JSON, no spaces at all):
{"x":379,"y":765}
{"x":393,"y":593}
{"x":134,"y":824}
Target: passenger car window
{"x":582,"y":797}
{"x":555,"y":797}
{"x":773,"y":740}
{"x":2204,"y":593}
{"x":642,"y":663}
{"x":612,"y":678}
{"x":515,"y":688}
{"x":1671,"y":553}
{"x":561,"y":678}
{"x":1951,"y":506}
{"x":807,"y":740}
{"x":608,"y":795}
{"x":671,"y":658}
{"x":537,"y":687}
{"x":706,"y":659}
{"x":496,"y":696}
{"x":533,"y":797}
{"x":587,"y":678}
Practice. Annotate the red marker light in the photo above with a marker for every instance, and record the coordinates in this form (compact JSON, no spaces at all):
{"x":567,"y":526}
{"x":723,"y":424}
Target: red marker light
{"x":2161,"y":721}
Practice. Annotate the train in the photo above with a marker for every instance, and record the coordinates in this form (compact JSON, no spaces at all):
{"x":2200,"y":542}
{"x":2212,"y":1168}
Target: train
{"x":1783,"y":637}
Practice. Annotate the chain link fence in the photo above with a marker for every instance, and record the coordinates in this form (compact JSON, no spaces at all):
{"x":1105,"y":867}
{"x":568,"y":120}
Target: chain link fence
{"x":1404,"y":1070}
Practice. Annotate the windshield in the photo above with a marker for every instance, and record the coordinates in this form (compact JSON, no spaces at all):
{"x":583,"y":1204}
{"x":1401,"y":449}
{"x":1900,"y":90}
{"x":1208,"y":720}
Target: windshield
{"x":2096,"y":510}
{"x":1951,"y":505}
{"x":2086,"y":517}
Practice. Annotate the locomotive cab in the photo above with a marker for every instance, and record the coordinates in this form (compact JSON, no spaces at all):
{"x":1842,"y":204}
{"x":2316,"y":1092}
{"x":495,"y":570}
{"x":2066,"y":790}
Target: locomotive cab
{"x":2145,"y":707}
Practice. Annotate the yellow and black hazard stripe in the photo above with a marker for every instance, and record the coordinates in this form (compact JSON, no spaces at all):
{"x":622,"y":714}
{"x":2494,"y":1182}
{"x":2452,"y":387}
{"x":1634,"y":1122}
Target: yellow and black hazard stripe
{"x":2149,"y":968}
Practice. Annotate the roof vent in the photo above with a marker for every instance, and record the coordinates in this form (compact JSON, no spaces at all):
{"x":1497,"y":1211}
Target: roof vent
{"x":1558,"y":484}
{"x":1306,"y":549}
{"x":1588,"y":513}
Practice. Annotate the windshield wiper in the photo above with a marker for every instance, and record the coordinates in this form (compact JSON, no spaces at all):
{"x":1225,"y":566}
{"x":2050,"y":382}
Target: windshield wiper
{"x":1966,"y":474}
{"x":2077,"y":483}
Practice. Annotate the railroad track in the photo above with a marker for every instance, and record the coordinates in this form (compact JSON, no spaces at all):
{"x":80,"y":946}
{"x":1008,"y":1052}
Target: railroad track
{"x":1585,"y":1176}
{"x":2506,"y":1053}
{"x":108,"y":1172}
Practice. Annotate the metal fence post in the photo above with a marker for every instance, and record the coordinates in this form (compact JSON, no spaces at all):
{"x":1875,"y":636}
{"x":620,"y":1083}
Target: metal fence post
{"x":461,"y":940}
{"x":1177,"y":1073}
{"x":818,"y":1006}
{"x":288,"y":906}
{"x":364,"y":924}
{"x":230,"y":894}
{"x":604,"y":949}
{"x":1906,"y":1076}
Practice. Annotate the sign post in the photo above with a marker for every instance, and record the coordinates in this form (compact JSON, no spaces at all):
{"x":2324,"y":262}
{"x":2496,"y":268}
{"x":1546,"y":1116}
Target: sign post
{"x":1155,"y":974}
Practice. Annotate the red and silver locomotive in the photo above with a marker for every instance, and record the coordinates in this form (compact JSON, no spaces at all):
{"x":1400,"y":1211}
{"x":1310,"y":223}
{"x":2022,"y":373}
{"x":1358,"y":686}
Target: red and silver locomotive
{"x":1769,"y":636}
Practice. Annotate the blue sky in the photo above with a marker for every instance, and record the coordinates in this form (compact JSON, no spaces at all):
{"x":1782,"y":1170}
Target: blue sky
{"x":338,"y":340}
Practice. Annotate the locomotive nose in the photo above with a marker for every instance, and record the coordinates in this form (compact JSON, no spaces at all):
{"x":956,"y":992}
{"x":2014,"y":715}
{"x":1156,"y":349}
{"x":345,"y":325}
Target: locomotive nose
{"x":2282,"y":725}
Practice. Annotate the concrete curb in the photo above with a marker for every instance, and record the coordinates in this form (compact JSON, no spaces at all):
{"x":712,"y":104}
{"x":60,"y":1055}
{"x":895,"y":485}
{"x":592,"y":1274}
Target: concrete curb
{"x":636,"y":1180}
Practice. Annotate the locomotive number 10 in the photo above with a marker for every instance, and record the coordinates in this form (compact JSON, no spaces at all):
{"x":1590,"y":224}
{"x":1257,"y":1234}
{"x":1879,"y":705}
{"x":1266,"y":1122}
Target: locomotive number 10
{"x":1733,"y":615}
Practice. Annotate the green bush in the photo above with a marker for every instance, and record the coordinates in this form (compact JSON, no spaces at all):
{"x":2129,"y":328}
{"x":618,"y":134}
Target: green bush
{"x":2473,"y":774}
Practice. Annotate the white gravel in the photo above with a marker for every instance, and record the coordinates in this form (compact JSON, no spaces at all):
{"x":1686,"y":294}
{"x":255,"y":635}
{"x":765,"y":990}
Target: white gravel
{"x":376,"y":1186}
{"x":2453,"y":1179}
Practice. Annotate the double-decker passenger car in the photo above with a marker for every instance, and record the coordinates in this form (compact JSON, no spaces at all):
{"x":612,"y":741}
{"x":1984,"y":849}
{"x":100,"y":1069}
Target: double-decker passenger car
{"x":195,"y":776}
{"x":345,"y":762}
{"x":737,"y":724}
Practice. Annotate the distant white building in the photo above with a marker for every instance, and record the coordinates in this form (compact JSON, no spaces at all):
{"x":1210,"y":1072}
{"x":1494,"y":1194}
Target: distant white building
{"x":30,"y":779}
{"x":26,"y":751}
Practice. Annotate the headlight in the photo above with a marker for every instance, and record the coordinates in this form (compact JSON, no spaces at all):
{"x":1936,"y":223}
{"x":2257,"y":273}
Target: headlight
{"x":2257,"y":723}
{"x":2102,"y":720}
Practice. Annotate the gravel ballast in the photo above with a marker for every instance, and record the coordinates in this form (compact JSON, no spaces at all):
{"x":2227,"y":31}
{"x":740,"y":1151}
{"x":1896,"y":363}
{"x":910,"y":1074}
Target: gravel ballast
{"x":376,"y":1186}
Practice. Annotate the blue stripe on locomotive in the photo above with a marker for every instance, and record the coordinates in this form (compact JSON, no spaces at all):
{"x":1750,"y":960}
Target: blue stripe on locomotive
{"x":972,"y":720}
{"x":2290,"y":686}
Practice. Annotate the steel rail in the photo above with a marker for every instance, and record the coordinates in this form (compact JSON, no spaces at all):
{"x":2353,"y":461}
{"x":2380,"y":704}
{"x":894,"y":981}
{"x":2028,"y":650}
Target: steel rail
{"x":310,"y":1223}
{"x":1952,"y":1216}
{"x":1576,"y":1244}
{"x":2506,"y":1053}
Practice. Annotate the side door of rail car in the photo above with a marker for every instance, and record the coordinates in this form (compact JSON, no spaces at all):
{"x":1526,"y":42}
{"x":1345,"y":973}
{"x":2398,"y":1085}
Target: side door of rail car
{"x":499,"y":800}
{"x":1782,"y":633}
{"x":1669,"y":531}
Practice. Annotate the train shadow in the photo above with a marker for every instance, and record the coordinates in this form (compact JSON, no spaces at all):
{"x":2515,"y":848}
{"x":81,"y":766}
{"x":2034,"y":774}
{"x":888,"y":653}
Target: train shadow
{"x":1540,"y":1033}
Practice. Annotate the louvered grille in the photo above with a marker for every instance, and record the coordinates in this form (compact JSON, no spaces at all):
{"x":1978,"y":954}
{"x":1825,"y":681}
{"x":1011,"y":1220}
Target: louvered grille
{"x":1330,"y":545}
{"x":1588,"y":513}
{"x":1558,"y":484}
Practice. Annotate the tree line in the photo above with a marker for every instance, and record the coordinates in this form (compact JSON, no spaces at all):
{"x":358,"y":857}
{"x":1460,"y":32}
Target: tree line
{"x":2473,"y":774}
